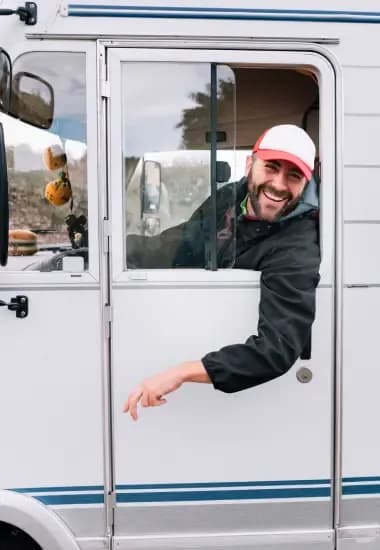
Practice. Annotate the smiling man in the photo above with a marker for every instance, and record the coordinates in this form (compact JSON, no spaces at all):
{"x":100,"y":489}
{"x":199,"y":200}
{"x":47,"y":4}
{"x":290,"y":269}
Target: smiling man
{"x":276,"y":233}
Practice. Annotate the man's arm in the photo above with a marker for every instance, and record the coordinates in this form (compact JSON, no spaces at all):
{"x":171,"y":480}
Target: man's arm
{"x":287,"y":310}
{"x":286,"y":313}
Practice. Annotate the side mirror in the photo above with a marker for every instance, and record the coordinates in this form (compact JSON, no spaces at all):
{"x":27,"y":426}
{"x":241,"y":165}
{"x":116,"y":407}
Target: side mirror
{"x":151,"y":197}
{"x":5,"y":80}
{"x":32,"y":100}
{"x":4,"y":207}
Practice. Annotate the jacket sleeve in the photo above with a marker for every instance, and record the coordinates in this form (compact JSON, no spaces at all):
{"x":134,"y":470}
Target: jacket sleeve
{"x":286,"y":312}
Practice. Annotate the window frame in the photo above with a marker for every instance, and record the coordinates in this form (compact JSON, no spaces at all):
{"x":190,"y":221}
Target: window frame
{"x":92,"y":275}
{"x":256,"y":58}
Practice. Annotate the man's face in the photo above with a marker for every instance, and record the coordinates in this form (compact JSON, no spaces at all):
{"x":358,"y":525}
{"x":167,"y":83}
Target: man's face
{"x":274,"y":187}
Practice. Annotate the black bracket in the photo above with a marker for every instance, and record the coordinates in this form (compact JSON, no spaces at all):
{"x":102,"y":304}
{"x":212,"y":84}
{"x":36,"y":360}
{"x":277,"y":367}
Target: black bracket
{"x":19,"y":304}
{"x":306,"y":352}
{"x":27,"y":13}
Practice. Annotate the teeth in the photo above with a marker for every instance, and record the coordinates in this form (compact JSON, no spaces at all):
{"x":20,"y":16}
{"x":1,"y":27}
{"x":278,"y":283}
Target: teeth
{"x":273,"y":197}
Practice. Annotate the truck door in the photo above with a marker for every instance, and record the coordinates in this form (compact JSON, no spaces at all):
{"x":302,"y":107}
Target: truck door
{"x":246,"y":470}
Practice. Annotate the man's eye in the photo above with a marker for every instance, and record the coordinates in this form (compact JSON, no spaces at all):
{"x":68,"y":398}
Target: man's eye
{"x":295,"y":176}
{"x":272,"y":167}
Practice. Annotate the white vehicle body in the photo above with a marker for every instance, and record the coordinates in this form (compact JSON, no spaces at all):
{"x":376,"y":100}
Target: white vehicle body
{"x":285,"y":465}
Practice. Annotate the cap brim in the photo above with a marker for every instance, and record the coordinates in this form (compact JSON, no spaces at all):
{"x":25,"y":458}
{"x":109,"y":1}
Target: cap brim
{"x":272,"y":154}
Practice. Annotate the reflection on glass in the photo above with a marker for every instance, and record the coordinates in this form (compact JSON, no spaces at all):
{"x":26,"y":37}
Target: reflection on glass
{"x":166,"y":124}
{"x":48,"y":169}
{"x":5,"y":79}
{"x":32,"y":100}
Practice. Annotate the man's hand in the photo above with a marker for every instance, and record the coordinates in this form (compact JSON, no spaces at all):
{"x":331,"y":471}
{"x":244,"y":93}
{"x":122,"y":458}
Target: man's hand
{"x":150,"y":393}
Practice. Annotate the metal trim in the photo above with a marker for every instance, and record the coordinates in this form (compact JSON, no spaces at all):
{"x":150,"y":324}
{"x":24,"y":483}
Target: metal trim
{"x":225,"y":43}
{"x":338,"y":299}
{"x":225,"y":540}
{"x":105,"y":295}
{"x":115,"y":41}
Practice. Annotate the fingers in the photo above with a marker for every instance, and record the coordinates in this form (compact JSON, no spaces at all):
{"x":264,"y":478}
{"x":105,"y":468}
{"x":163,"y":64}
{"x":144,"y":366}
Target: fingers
{"x":145,"y":401}
{"x":131,"y":405}
{"x":143,"y":396}
{"x":157,"y":401}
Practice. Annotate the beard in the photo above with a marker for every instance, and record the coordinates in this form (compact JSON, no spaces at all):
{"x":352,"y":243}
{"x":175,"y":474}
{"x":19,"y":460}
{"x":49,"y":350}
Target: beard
{"x":257,"y":190}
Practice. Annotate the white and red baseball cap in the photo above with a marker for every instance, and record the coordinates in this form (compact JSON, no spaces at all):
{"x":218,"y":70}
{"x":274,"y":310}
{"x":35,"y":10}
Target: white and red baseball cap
{"x":287,"y":142}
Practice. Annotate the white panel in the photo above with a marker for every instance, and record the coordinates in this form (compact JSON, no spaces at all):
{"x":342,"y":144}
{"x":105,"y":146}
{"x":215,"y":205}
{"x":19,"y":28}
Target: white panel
{"x":362,"y":253}
{"x":279,"y":430}
{"x":351,"y":35}
{"x":361,"y":140}
{"x":361,"y":193}
{"x":361,"y":382}
{"x":361,"y":86}
{"x":50,"y":397}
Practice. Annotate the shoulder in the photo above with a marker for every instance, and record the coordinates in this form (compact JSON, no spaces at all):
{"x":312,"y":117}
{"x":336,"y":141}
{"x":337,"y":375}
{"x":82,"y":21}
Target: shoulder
{"x":300,"y":231}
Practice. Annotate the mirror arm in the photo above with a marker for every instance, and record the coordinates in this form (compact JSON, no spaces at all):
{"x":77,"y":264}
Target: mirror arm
{"x":27,"y":13}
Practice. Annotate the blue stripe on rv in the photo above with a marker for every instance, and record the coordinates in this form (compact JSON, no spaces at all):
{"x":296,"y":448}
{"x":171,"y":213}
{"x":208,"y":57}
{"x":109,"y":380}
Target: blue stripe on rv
{"x":103,"y":10}
{"x":83,"y":488}
{"x":187,"y":492}
{"x":205,"y":485}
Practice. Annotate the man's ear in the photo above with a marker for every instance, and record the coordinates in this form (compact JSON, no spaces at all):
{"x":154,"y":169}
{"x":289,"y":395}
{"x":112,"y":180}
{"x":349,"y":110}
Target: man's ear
{"x":248,"y":164}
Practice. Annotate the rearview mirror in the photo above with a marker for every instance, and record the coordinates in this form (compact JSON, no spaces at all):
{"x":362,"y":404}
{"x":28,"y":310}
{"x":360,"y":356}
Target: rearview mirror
{"x":5,"y":80}
{"x":4,"y":207}
{"x":151,"y":186}
{"x":32,"y":100}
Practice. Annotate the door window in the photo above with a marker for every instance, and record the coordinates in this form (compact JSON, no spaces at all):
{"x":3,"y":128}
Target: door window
{"x":48,"y":171}
{"x":188,"y":129}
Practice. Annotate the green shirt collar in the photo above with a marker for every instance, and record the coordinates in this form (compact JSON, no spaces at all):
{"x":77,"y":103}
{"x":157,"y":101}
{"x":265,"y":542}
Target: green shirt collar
{"x":244,"y":205}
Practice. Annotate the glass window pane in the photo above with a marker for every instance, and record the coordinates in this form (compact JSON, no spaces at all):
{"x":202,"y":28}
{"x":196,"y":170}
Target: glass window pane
{"x":48,"y":171}
{"x":166,"y":156}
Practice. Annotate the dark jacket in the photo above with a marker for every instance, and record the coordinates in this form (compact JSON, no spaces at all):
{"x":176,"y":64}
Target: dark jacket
{"x":287,"y":254}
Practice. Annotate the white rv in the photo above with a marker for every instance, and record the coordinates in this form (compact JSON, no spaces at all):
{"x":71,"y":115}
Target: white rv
{"x":103,"y":105}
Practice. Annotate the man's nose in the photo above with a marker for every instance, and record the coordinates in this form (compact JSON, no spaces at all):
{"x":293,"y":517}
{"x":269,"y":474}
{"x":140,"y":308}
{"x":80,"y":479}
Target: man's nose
{"x":280,"y":180}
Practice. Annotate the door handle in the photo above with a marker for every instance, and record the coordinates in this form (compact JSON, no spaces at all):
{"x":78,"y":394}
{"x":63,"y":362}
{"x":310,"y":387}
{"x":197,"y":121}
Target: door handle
{"x":19,"y":304}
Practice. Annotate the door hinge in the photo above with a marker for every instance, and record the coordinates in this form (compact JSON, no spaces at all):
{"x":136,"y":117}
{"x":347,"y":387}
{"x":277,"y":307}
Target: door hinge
{"x":105,"y":89}
{"x":106,"y":235}
{"x":111,"y":500}
{"x":108,"y":315}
